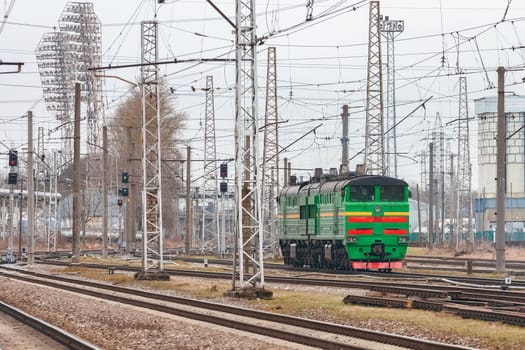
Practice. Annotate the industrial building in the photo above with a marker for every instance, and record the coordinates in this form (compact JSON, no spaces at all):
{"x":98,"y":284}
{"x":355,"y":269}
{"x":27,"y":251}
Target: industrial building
{"x":485,"y":204}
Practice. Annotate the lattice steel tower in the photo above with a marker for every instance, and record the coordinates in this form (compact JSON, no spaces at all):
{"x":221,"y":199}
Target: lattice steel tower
{"x":464,"y":177}
{"x":374,"y":135}
{"x":438,"y":139}
{"x":152,"y":255}
{"x":270,"y":171}
{"x":248,"y":179}
{"x":210,"y":185}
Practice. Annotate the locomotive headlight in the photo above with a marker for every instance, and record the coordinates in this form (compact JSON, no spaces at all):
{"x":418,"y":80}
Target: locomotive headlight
{"x":351,"y":239}
{"x":378,"y":209}
{"x":402,"y":239}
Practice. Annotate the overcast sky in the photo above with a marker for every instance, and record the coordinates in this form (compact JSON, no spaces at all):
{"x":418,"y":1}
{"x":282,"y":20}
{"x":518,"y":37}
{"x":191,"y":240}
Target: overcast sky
{"x":321,"y":66}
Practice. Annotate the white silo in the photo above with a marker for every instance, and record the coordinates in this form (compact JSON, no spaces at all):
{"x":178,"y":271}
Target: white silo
{"x":485,"y":206}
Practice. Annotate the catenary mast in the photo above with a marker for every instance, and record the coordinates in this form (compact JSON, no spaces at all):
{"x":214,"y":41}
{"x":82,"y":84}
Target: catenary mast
{"x":152,"y":240}
{"x":374,"y":134}
{"x":210,"y":226}
{"x":270,"y":171}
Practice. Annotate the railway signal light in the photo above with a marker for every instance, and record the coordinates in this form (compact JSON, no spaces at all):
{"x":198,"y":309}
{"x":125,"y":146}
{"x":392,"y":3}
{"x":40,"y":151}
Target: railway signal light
{"x":224,"y":170}
{"x":13,"y":157}
{"x":125,"y":177}
{"x":11,"y":180}
{"x":224,"y":187}
{"x":119,"y":202}
{"x":125,"y":192}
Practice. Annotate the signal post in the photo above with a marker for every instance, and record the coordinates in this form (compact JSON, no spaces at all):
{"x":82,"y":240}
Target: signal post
{"x":11,"y":181}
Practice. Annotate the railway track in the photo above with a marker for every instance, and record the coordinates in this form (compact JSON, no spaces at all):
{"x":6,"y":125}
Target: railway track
{"x":516,"y":282}
{"x":416,"y":287}
{"x":301,"y":331}
{"x":484,"y":303}
{"x":49,"y":336}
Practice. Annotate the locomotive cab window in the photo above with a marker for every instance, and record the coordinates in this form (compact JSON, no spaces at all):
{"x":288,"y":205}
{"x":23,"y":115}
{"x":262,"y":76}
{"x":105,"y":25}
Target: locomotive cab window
{"x":362,"y":193}
{"x":392,"y":193}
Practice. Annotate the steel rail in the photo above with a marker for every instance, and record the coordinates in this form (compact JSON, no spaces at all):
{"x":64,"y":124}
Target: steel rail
{"x":348,"y":331}
{"x":59,"y":335}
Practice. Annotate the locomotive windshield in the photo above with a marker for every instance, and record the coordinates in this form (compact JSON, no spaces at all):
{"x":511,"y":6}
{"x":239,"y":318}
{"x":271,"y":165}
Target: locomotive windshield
{"x":362,"y":193}
{"x":392,"y":193}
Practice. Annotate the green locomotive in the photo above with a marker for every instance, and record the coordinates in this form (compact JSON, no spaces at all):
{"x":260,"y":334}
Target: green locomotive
{"x":351,"y":222}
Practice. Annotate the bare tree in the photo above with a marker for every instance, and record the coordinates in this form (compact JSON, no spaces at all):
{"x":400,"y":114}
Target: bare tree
{"x":125,"y":148}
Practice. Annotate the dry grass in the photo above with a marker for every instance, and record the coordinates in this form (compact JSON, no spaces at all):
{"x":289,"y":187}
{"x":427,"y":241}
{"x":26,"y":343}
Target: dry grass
{"x":330,"y":307}
{"x":491,"y":335}
{"x":485,"y":251}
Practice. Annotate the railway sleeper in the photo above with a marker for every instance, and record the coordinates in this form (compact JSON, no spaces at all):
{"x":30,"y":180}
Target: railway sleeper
{"x":423,"y":293}
{"x":373,"y":301}
{"x":487,"y":315}
{"x":111,"y":269}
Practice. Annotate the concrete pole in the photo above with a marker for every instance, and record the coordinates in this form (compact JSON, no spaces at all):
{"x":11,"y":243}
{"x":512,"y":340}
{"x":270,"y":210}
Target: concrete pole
{"x":500,"y":173}
{"x":55,"y":203}
{"x":189,"y":216}
{"x":20,"y":200}
{"x":344,"y":142}
{"x":420,"y":236}
{"x":430,"y":226}
{"x":76,"y":178}
{"x":286,"y":176}
{"x":30,"y":191}
{"x":11,"y":226}
{"x":105,"y":174}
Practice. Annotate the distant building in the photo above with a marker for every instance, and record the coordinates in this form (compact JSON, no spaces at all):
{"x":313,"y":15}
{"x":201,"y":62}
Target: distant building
{"x":485,"y":206}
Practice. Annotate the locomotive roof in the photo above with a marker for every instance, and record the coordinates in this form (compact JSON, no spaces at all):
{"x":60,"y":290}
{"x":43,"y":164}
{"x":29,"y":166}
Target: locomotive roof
{"x":338,"y":185}
{"x":376,"y":180}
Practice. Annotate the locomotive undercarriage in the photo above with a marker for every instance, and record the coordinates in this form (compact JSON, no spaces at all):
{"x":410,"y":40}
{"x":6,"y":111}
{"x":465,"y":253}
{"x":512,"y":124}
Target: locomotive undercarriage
{"x":331,"y":254}
{"x":322,"y":254}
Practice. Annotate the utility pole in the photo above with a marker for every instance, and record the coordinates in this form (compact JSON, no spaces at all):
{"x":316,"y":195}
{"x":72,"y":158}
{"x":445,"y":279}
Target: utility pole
{"x":30,"y":191}
{"x":286,"y":175}
{"x":189,"y":216}
{"x":39,"y":153}
{"x":500,"y":173}
{"x":453,"y":203}
{"x":76,"y":178}
{"x":344,"y":142}
{"x":374,"y":135}
{"x":391,"y":29}
{"x":105,"y":174}
{"x":20,"y":201}
{"x":130,"y":202}
{"x":420,"y":236}
{"x":430,"y":226}
{"x":11,"y":226}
